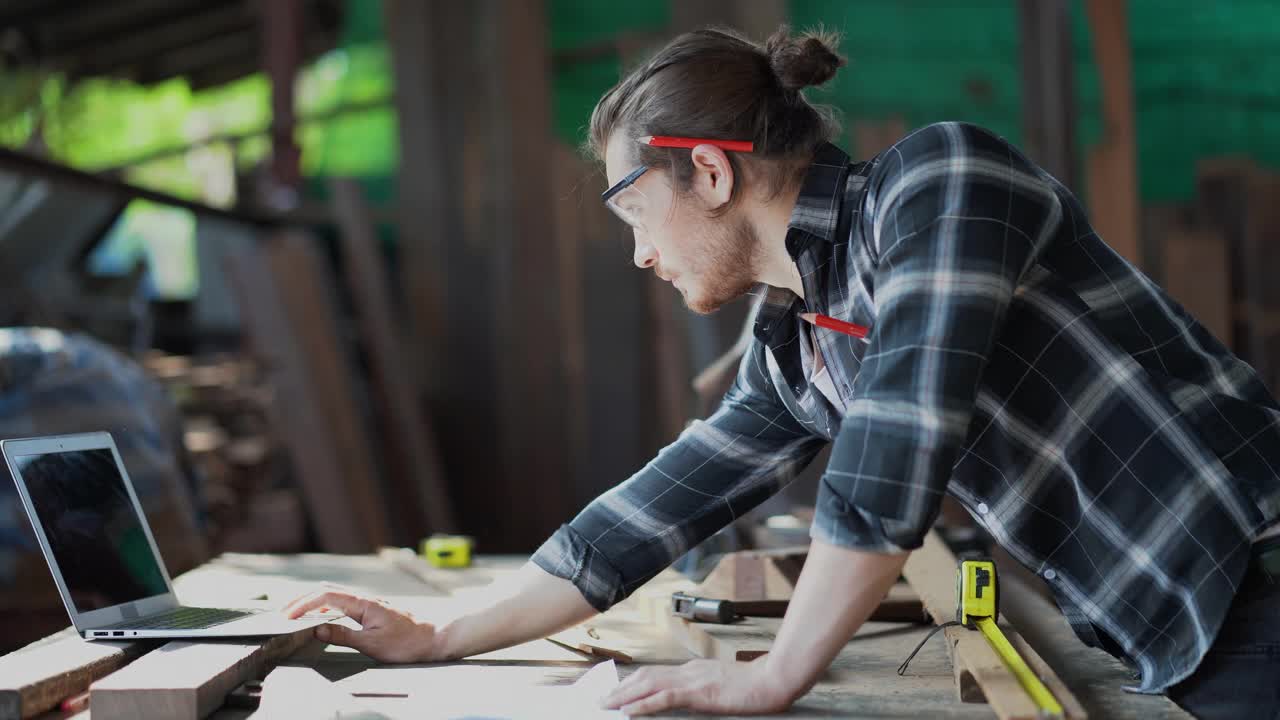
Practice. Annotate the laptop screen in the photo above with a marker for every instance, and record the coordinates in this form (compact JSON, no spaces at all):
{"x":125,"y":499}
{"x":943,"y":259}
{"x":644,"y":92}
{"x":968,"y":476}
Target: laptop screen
{"x":96,"y":535}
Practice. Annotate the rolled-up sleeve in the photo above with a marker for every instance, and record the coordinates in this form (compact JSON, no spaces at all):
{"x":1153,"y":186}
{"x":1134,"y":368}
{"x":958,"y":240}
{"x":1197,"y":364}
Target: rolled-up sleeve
{"x":716,"y":471}
{"x":953,"y":218}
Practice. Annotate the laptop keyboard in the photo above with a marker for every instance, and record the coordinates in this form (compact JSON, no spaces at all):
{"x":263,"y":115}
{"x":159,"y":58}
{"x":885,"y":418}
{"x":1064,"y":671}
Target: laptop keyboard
{"x":182,"y":618}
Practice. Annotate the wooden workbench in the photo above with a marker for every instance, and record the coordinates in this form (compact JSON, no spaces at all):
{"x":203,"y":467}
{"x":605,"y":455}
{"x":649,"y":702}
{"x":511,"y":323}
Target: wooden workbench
{"x":861,"y":683}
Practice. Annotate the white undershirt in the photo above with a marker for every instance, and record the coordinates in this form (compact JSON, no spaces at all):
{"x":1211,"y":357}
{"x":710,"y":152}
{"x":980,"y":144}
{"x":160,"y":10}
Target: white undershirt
{"x":821,"y":379}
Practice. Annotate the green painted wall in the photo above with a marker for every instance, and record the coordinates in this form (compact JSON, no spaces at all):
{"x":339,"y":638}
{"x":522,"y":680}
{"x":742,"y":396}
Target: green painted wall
{"x":1206,"y":74}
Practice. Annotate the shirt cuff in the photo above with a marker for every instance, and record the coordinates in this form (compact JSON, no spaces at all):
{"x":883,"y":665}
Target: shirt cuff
{"x":838,"y":522}
{"x":566,"y":554}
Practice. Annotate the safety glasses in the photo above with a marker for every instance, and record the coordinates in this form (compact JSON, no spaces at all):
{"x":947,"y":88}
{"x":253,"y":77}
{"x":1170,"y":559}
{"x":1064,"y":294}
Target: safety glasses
{"x":628,"y":202}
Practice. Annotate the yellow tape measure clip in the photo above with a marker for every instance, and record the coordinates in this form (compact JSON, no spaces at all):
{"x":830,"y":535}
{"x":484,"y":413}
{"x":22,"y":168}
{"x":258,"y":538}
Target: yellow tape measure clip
{"x":979,"y":608}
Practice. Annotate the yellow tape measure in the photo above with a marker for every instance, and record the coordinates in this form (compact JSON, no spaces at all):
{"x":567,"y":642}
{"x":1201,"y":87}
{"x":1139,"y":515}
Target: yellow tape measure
{"x":978,"y":609}
{"x":448,"y":551}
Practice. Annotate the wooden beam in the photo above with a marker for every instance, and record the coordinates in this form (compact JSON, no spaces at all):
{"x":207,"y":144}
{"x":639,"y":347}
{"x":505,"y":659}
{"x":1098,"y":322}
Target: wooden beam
{"x":186,"y":680}
{"x":1112,"y":171}
{"x":572,"y":224}
{"x":61,"y":175}
{"x":199,"y":57}
{"x":238,"y":137}
{"x":296,"y":411}
{"x":151,"y":40}
{"x":417,"y":36}
{"x":530,"y":378}
{"x":417,"y":483}
{"x":70,"y":27}
{"x":35,"y":680}
{"x":307,"y":289}
{"x":980,"y":673}
{"x":1048,"y":86}
{"x":751,"y":575}
{"x":281,"y":45}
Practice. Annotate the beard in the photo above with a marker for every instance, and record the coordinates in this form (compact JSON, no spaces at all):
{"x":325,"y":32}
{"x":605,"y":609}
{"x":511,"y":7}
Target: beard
{"x":727,"y":267}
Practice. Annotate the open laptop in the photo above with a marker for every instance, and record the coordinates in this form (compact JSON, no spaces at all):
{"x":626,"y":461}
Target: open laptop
{"x":98,"y":545}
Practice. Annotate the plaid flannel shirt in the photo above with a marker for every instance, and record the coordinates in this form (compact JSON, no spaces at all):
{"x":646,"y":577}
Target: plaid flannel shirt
{"x":1092,"y":426}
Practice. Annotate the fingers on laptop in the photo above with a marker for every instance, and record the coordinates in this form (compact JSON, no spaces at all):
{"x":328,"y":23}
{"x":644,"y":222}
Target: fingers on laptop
{"x":350,"y":605}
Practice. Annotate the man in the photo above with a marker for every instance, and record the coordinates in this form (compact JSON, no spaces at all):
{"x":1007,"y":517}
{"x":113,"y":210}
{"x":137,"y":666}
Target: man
{"x":1013,"y":360}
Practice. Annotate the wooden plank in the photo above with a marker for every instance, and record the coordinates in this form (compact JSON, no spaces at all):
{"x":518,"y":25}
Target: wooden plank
{"x":426,"y":189}
{"x":1048,"y":86}
{"x":1112,"y":166}
{"x":1098,"y":677}
{"x":1070,"y":704}
{"x":186,"y":680}
{"x":296,"y":410}
{"x":529,"y":388}
{"x":35,"y":680}
{"x":981,"y":676}
{"x":569,"y":171}
{"x":307,"y":289}
{"x":755,"y":575}
{"x":417,"y":487}
{"x":931,"y":570}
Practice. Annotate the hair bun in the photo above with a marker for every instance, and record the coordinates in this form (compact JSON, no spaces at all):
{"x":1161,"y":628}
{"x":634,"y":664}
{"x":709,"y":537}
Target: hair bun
{"x":803,"y":60}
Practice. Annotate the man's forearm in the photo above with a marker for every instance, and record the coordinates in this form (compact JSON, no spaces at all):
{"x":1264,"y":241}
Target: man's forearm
{"x":533,"y":605}
{"x":837,"y":591}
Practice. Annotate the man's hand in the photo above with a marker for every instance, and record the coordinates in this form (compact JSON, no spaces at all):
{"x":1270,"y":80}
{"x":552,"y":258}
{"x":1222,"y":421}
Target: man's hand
{"x":386,"y":634}
{"x":705,"y":686}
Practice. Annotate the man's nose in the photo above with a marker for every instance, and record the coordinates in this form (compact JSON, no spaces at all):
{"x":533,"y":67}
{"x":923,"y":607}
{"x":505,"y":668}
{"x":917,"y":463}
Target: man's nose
{"x":646,"y":255}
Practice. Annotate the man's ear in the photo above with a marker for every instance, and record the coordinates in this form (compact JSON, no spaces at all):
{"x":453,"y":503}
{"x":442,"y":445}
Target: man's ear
{"x":712,"y":175}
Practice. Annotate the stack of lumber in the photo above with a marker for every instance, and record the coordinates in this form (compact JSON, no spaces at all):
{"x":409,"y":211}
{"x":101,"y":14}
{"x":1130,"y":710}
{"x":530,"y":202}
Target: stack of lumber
{"x":251,"y":502}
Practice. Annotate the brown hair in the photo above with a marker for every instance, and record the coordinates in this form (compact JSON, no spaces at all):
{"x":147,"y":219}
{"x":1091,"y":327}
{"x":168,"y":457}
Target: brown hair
{"x":717,"y":84}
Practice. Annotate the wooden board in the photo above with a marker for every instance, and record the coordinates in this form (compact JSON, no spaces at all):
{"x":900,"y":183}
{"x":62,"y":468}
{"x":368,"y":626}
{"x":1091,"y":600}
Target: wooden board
{"x":296,"y":408}
{"x":1096,"y":680}
{"x":981,"y":676}
{"x":1112,"y":164}
{"x":979,"y":671}
{"x":187,"y":680}
{"x":755,"y":575}
{"x":861,"y":682}
{"x":307,"y":289}
{"x":37,"y":679}
{"x":417,"y":480}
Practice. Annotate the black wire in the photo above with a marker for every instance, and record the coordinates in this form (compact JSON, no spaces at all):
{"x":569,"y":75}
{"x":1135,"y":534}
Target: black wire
{"x":903,"y":667}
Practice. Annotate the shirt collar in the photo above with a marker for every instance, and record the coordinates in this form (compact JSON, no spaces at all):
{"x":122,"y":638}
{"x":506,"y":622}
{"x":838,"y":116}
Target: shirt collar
{"x":817,"y":210}
{"x":812,"y":225}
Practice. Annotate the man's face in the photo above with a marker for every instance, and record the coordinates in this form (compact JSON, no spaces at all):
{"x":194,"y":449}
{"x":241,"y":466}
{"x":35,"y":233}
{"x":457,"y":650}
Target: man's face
{"x":710,"y":260}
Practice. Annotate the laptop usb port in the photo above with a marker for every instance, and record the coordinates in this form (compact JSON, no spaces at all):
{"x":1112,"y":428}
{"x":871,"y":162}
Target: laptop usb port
{"x":117,"y":633}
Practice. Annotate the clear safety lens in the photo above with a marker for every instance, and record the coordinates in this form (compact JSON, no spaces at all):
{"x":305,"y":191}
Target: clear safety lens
{"x":629,"y":204}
